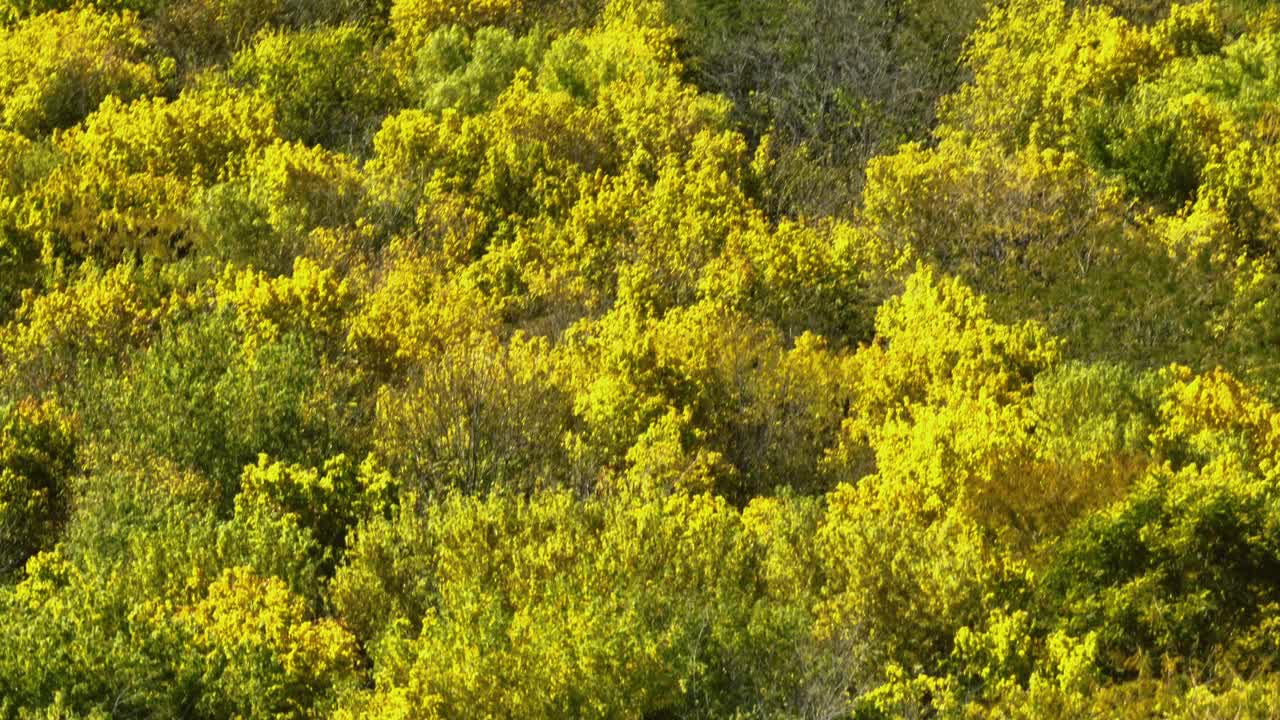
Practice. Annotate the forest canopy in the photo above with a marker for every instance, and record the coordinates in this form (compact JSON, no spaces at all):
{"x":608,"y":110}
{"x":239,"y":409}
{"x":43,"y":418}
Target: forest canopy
{"x":803,"y":359}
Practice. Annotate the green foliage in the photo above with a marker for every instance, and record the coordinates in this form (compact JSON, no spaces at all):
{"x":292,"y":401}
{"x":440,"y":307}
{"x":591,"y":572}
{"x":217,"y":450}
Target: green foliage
{"x":155,"y":607}
{"x":411,"y":20}
{"x":329,"y":86}
{"x":467,"y":72}
{"x":835,"y":82}
{"x":1142,"y":169}
{"x":475,"y":419}
{"x":1189,"y":591}
{"x":545,"y":596}
{"x":200,"y":32}
{"x":205,"y":401}
{"x":19,"y":251}
{"x":37,"y":459}
{"x":275,"y":211}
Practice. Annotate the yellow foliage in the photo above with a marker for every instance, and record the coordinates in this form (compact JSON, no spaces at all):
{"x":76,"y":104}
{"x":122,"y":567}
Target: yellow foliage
{"x":55,"y":68}
{"x":992,"y":216}
{"x":881,"y":566}
{"x":263,"y":652}
{"x":414,"y":19}
{"x":660,"y":464}
{"x":126,"y":178}
{"x":37,"y":456}
{"x":305,"y":187}
{"x":313,"y":300}
{"x":1193,"y":28}
{"x":1039,"y":64}
{"x":939,"y":344}
{"x":555,"y":606}
{"x":1214,"y":413}
{"x":415,"y":314}
{"x":101,"y":313}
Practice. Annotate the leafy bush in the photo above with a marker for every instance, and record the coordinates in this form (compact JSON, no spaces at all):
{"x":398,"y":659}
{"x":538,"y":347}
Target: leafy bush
{"x":328,"y":85}
{"x":56,"y":68}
